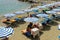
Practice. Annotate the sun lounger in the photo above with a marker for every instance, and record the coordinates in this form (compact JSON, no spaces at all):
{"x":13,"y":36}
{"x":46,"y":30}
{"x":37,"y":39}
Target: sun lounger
{"x":59,"y":27}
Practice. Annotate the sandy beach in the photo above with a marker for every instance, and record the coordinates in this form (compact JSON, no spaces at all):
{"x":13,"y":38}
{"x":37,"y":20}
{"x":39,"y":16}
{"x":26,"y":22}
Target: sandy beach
{"x":51,"y":31}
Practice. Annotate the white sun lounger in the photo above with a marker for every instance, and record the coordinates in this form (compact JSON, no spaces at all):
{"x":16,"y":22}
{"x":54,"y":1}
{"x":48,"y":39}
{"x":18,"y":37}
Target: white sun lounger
{"x":59,"y":26}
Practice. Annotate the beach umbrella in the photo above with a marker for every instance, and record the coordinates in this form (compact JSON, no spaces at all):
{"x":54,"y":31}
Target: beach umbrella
{"x":42,"y":15}
{"x":31,"y":19}
{"x":27,"y":10}
{"x":5,"y":32}
{"x":9,"y":15}
{"x":57,"y":3}
{"x":56,"y":10}
{"x":41,"y":6}
{"x":34,"y":8}
{"x":51,"y":12}
{"x":19,"y":12}
{"x":49,"y":5}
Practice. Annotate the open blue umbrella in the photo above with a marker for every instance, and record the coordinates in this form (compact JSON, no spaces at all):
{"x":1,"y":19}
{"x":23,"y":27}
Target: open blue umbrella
{"x":56,"y":10}
{"x":31,"y":19}
{"x":36,"y":8}
{"x":4,"y":32}
{"x":51,"y":12}
{"x":27,"y":10}
{"x":42,"y":15}
{"x":9,"y":15}
{"x":41,"y":6}
{"x":19,"y":12}
{"x":49,"y":5}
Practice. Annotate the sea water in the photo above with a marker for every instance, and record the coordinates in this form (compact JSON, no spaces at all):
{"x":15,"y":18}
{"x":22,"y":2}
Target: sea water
{"x":10,"y":6}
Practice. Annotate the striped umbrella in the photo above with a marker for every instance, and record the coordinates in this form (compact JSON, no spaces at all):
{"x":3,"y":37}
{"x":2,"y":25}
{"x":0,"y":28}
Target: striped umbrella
{"x":5,"y":32}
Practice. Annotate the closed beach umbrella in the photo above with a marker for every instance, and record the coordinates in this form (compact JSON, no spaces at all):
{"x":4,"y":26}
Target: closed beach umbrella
{"x":9,"y":15}
{"x":19,"y":12}
{"x":31,"y":19}
{"x":51,"y":12}
{"x":56,"y":10}
{"x":5,"y":32}
{"x":42,"y":15}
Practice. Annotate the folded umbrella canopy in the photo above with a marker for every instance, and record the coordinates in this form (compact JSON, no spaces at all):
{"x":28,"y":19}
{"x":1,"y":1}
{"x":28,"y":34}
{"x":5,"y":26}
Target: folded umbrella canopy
{"x":5,"y":32}
{"x":19,"y":12}
{"x":9,"y":15}
{"x":31,"y":19}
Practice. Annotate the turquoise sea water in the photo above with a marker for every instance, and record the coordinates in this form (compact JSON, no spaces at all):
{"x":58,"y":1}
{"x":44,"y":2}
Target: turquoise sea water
{"x":8,"y":6}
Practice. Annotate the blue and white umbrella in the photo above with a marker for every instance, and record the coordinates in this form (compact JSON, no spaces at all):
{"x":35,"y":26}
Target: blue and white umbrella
{"x":49,"y":5}
{"x":9,"y":15}
{"x":42,"y":15}
{"x":5,"y":32}
{"x":56,"y":10}
{"x":51,"y":12}
{"x":31,"y":19}
{"x":27,"y":10}
{"x":19,"y":12}
{"x":57,"y":3}
{"x":34,"y":8}
{"x":41,"y":6}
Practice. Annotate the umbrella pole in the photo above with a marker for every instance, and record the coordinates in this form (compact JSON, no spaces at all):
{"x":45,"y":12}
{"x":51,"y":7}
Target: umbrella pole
{"x":28,"y":13}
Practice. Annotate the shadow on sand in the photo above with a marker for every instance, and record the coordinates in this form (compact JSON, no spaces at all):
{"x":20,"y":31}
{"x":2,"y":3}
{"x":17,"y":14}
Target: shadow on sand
{"x":53,"y":23}
{"x":57,"y":19}
{"x":36,"y":37}
{"x":16,"y":24}
{"x":46,"y":27}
